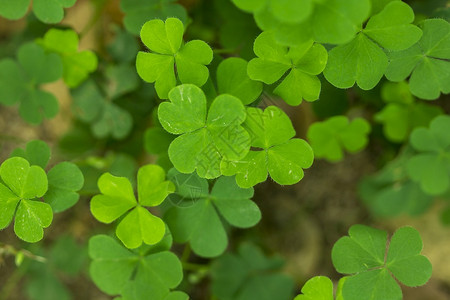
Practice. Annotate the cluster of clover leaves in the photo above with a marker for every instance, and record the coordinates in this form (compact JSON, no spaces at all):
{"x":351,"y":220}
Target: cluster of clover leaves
{"x":214,"y":143}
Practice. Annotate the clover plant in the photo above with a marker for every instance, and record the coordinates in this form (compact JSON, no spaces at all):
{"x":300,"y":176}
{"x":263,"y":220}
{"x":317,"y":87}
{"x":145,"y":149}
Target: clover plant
{"x":169,"y":120}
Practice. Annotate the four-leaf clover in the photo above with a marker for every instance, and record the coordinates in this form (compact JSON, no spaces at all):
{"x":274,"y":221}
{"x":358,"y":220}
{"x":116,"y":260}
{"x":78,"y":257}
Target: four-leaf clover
{"x":303,"y":62}
{"x":117,"y":199}
{"x":205,"y":138}
{"x":363,"y":255}
{"x":20,"y":188}
{"x":170,"y":56}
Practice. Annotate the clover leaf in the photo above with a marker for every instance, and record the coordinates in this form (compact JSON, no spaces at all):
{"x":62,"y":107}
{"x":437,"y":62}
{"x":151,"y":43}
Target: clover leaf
{"x":64,"y":179}
{"x":363,"y":60}
{"x":20,"y":187}
{"x":249,"y":274}
{"x":200,"y":224}
{"x":402,"y":113}
{"x":427,"y":62}
{"x":117,"y":199}
{"x":44,"y":10}
{"x":105,"y":117}
{"x":363,"y":253}
{"x":303,"y":62}
{"x":165,"y":40}
{"x":137,"y":12}
{"x":77,"y":64}
{"x":205,"y":138}
{"x":430,"y":167}
{"x":148,"y":272}
{"x":281,"y":155}
{"x":20,"y":81}
{"x":232,"y":79}
{"x":317,"y":288}
{"x":331,"y":22}
{"x":330,"y":137}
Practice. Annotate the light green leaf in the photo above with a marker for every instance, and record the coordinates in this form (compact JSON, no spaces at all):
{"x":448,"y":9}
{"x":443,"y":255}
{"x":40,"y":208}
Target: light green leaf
{"x":137,"y":12}
{"x":37,"y":152}
{"x":64,"y":181}
{"x":8,"y":202}
{"x":317,"y":288}
{"x":14,"y":10}
{"x":165,"y":39}
{"x":329,"y":138}
{"x":152,"y":186}
{"x":77,"y":65}
{"x":31,"y":217}
{"x":232,"y":79}
{"x":303,"y":62}
{"x":204,"y":140}
{"x":282,"y":157}
{"x":51,"y":11}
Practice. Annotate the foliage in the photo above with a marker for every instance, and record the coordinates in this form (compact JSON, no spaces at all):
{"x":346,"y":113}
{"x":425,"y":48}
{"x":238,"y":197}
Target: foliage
{"x":165,"y":39}
{"x":329,"y":138}
{"x":430,"y":167}
{"x":149,"y":271}
{"x":205,"y":138}
{"x":363,"y":60}
{"x":117,"y":199}
{"x":46,"y":11}
{"x":240,"y":276}
{"x":76,"y":64}
{"x":320,"y":288}
{"x":280,"y":155}
{"x":20,"y":81}
{"x":426,"y":62}
{"x":363,"y":256}
{"x":200,"y":224}
{"x":303,"y":62}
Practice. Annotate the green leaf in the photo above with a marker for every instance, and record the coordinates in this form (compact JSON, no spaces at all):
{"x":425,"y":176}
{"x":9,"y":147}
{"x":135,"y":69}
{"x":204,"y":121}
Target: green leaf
{"x":64,"y":181}
{"x":317,"y":288}
{"x":105,"y":117}
{"x":31,"y":217}
{"x":232,"y":79}
{"x":430,"y":167}
{"x":165,"y":39}
{"x":77,"y":64}
{"x":51,"y":11}
{"x":24,"y":181}
{"x":426,"y":62}
{"x":19,"y":82}
{"x":205,"y":139}
{"x":37,"y":152}
{"x":149,"y":274}
{"x":363,"y":60}
{"x":14,"y":10}
{"x":329,"y":138}
{"x":250,"y":274}
{"x":303,"y":63}
{"x":200,"y":225}
{"x":117,"y":199}
{"x":362,"y":253}
{"x":281,"y":156}
{"x":137,"y":12}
